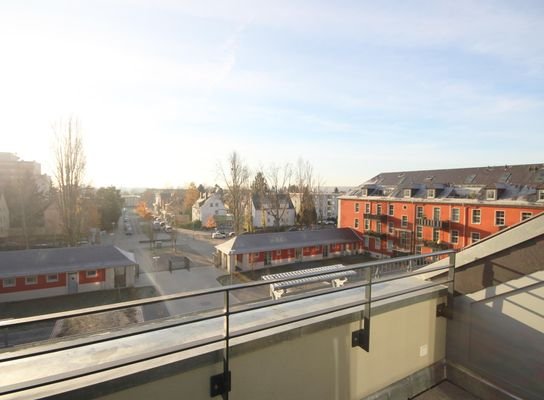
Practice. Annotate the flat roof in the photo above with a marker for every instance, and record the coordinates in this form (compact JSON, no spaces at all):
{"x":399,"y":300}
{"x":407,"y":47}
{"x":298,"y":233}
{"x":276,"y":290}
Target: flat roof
{"x":64,"y":259}
{"x":252,"y":243}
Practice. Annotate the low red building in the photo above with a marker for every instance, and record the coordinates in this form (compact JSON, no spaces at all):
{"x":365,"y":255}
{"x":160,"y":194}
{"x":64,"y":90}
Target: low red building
{"x":408,"y":212}
{"x":28,"y":274}
{"x":254,"y":251}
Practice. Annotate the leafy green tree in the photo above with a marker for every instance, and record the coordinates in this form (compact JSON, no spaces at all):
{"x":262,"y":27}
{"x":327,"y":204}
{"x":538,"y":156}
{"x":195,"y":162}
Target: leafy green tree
{"x":110,"y":204}
{"x":308,"y":214}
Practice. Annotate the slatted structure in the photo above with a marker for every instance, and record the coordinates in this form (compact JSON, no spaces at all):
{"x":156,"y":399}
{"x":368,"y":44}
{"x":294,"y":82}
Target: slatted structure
{"x":328,"y":273}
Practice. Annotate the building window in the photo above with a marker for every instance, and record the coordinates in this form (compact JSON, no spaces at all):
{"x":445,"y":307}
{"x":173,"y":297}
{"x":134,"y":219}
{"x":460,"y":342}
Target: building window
{"x":436,"y":213}
{"x":389,"y":245}
{"x":418,"y":249}
{"x":8,"y":282}
{"x":367,"y":224}
{"x":436,"y":235}
{"x":526,"y":215}
{"x":367,"y":208}
{"x":419,"y":232}
{"x":391,"y":227}
{"x":356,"y":223}
{"x":267,"y":257}
{"x":391,"y":209}
{"x":379,"y":227}
{"x":431,"y":193}
{"x":407,"y":193}
{"x":454,"y":237}
{"x":499,"y":218}
{"x":404,"y":221}
{"x":490,"y":194}
{"x":377,"y":244}
{"x":356,"y":207}
{"x":91,"y":274}
{"x":455,"y":214}
{"x":474,"y":237}
{"x":378,"y":209}
{"x":31,"y":280}
{"x":476,"y":216}
{"x":366,"y":242}
{"x":52,"y":278}
{"x":419,"y":212}
{"x":278,"y":253}
{"x":541,"y":195}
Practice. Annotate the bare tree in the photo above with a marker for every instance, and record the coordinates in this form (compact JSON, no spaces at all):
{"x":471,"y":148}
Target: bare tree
{"x":236,"y":180}
{"x":279,"y":180}
{"x":321,"y":199}
{"x":69,"y":172}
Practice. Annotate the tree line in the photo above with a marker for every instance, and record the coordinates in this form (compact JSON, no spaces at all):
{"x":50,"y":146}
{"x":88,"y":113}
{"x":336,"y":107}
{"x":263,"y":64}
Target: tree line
{"x":277,"y":184}
{"x":79,"y":205}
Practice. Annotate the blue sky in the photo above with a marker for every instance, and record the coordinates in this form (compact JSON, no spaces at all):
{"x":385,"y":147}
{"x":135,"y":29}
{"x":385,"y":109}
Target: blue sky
{"x":165,"y":90}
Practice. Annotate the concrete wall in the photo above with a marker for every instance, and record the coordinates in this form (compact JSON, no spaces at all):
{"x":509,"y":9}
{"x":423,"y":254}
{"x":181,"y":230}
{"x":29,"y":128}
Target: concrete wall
{"x":313,"y":362}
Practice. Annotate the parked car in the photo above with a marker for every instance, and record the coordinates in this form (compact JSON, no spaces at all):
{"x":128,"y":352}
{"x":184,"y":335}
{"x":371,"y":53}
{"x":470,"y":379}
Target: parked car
{"x":218,"y":235}
{"x":168,"y":228}
{"x":231,"y":234}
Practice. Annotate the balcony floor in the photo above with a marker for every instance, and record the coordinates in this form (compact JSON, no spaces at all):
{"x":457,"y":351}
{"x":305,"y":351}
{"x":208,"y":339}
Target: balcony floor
{"x":446,"y":391}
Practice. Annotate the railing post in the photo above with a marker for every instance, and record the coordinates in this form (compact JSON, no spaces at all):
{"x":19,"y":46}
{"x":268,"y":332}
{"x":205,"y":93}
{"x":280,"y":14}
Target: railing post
{"x":220,"y":384}
{"x":446,"y":310}
{"x":361,"y":337}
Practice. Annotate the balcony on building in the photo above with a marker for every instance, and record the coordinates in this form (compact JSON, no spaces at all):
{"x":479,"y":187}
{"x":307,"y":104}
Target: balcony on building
{"x":376,"y":217}
{"x":434,"y":223}
{"x":399,"y":328}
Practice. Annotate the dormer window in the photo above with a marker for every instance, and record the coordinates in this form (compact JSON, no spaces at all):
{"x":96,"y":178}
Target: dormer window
{"x":490,"y":194}
{"x":431,"y":193}
{"x":364,"y":192}
{"x":407,"y":192}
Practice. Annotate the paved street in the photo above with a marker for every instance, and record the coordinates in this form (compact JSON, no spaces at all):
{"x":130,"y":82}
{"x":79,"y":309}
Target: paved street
{"x":197,"y":246}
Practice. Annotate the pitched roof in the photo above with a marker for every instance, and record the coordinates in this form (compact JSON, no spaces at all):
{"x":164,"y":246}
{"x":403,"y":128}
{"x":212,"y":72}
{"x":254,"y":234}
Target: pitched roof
{"x":515,"y":182}
{"x":252,"y":243}
{"x":265,"y":201}
{"x":528,"y":174}
{"x":65,"y":259}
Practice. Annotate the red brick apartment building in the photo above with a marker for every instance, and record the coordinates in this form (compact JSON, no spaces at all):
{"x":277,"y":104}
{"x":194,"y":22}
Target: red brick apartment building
{"x":408,"y":212}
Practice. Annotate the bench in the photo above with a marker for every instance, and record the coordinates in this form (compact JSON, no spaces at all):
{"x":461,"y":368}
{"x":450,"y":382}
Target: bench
{"x":300,"y":278}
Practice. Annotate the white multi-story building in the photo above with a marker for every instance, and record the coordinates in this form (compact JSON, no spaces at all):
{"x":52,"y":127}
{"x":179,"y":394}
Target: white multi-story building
{"x":326,"y":204}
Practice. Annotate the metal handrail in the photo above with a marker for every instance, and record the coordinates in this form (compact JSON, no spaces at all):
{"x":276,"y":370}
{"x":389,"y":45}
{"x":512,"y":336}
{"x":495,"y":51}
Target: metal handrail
{"x":230,"y":309}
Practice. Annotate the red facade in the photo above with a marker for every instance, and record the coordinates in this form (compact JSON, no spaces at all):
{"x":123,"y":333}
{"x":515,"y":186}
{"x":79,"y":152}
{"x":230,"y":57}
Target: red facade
{"x":48,"y":281}
{"x":394,"y":227}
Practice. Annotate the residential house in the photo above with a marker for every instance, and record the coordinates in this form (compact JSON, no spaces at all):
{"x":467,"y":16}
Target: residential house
{"x":267,"y":209}
{"x":208,"y":207}
{"x":263,"y":250}
{"x":37,"y":273}
{"x":410,"y":212}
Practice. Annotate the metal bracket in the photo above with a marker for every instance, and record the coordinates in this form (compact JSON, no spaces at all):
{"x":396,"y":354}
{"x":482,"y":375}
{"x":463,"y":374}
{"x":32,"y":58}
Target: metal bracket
{"x":220,"y":384}
{"x":361,"y":338}
{"x":442,"y":310}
